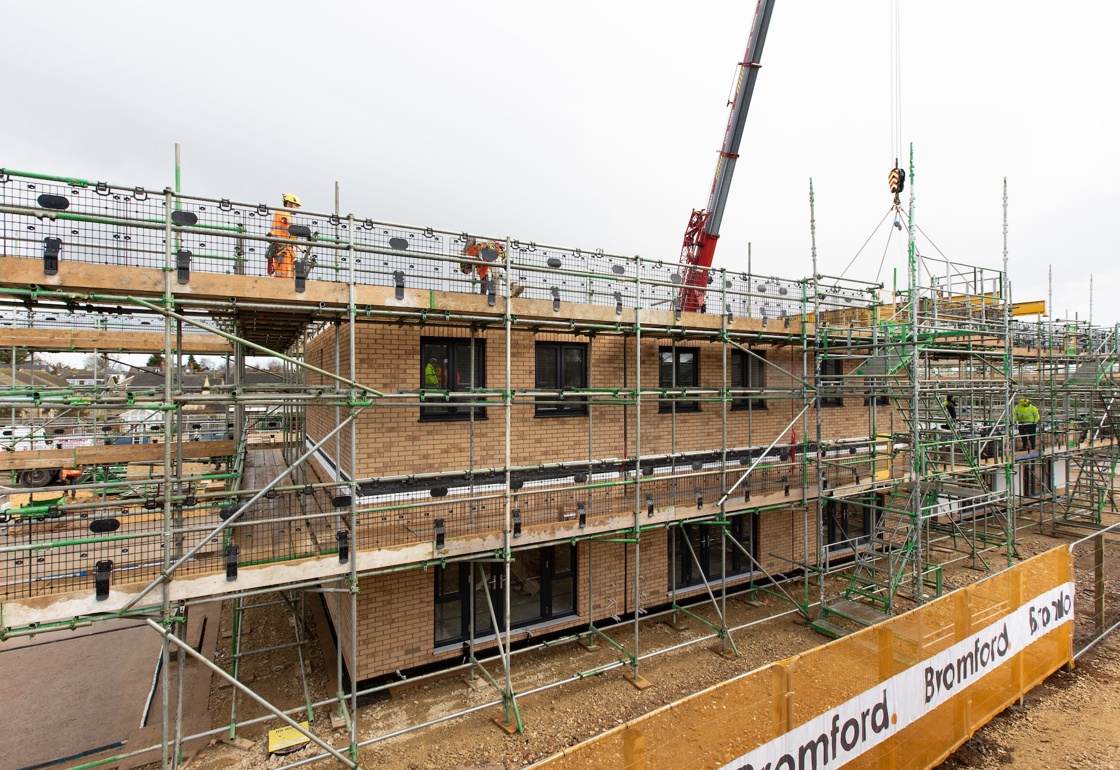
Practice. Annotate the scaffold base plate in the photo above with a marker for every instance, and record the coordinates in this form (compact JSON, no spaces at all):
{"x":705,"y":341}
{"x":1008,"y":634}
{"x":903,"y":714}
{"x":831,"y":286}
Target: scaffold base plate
{"x":509,"y":727}
{"x":638,"y":681}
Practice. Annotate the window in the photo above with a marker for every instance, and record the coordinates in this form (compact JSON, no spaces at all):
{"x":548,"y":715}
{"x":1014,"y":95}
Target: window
{"x":706,"y":541}
{"x":848,"y":524}
{"x":679,"y":368}
{"x":542,"y":588}
{"x":445,"y":364}
{"x":747,"y":371}
{"x":831,"y":371}
{"x":561,"y":366}
{"x":877,"y":385}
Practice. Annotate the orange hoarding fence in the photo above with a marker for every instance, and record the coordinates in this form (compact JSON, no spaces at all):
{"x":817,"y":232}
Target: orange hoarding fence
{"x":901,"y":694}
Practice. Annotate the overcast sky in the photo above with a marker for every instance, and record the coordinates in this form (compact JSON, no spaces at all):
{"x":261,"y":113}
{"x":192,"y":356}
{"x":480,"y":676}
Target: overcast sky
{"x":596,"y":124}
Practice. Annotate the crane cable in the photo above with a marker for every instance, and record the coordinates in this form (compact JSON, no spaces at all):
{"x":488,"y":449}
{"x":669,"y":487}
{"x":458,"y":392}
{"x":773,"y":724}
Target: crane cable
{"x":896,"y":180}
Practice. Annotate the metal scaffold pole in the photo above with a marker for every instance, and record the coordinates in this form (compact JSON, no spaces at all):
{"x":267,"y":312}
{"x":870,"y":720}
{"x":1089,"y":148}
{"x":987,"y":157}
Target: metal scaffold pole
{"x":916,"y":450}
{"x":1008,"y":374}
{"x":512,"y":714}
{"x":168,"y":538}
{"x":352,"y":314}
{"x":819,"y":501}
{"x":635,"y":659}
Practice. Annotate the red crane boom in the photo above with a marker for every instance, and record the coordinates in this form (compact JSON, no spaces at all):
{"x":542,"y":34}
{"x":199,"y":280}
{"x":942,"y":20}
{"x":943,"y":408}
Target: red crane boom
{"x":702,"y":233}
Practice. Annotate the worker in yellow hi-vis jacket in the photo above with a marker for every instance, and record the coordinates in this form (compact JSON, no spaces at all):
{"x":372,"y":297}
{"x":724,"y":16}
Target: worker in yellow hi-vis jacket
{"x":1026,"y":417}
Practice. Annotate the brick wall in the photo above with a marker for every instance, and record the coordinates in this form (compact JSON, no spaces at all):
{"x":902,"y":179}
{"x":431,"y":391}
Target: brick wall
{"x":392,"y":439}
{"x":396,"y":610}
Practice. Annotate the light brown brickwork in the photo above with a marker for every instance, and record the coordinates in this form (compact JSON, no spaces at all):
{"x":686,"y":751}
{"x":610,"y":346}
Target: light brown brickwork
{"x":396,"y":611}
{"x":392,"y":439}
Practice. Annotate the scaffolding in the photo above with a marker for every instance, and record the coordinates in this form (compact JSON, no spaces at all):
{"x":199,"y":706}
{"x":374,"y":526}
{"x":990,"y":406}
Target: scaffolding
{"x":295,"y":504}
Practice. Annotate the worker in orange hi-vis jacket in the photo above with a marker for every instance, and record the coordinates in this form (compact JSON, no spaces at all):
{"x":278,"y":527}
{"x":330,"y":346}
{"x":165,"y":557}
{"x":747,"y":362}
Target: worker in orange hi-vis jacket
{"x":488,"y":251}
{"x":281,"y":257}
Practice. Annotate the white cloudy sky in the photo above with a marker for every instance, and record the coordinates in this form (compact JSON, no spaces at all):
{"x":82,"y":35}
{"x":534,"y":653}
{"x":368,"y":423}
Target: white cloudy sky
{"x":596,"y":124}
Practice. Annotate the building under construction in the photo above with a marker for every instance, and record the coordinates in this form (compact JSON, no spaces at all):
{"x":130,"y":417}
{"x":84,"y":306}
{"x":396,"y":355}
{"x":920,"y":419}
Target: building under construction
{"x":454,"y":471}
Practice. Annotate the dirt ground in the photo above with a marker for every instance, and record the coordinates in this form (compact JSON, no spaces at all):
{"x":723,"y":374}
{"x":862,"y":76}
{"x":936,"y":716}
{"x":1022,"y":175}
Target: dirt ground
{"x":1042,"y":734}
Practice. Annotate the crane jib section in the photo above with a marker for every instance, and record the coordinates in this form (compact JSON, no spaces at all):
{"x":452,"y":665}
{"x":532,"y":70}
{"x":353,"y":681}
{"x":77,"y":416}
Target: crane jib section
{"x":698,"y":250}
{"x":748,"y":75}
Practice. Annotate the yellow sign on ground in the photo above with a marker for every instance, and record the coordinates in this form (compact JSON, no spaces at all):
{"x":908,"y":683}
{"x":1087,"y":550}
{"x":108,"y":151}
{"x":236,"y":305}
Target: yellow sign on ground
{"x":286,"y":739}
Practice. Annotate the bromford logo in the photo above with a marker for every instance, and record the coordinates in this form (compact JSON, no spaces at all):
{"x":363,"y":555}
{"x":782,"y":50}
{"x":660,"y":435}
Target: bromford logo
{"x":846,"y":737}
{"x":839,"y":735}
{"x":976,"y":661}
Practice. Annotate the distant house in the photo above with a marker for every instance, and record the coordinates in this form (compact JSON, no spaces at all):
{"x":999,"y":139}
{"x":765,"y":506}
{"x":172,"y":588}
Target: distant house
{"x":138,"y":379}
{"x":87,"y":378}
{"x":28,"y":378}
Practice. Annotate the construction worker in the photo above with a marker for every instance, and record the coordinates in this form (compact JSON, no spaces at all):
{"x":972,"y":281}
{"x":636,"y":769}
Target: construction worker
{"x":433,"y":375}
{"x":281,"y":257}
{"x":951,"y":407}
{"x":475,"y":249}
{"x":1026,"y":416}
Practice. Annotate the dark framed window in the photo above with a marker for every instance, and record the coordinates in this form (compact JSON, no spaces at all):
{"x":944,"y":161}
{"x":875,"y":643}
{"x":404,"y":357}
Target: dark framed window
{"x":849,"y":524}
{"x":679,"y":368}
{"x":877,"y":385}
{"x":445,"y":364}
{"x":832,"y":369}
{"x":542,"y":588}
{"x":706,"y":541}
{"x":561,"y":366}
{"x":747,"y":371}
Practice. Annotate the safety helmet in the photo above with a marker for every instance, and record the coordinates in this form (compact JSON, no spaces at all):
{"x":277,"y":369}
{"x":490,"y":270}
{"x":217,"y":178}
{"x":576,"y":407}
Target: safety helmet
{"x":291,"y":198}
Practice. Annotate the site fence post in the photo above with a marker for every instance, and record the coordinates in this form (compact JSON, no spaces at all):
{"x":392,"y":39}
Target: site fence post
{"x":633,"y":749}
{"x":962,"y":627}
{"x":1098,"y":585}
{"x":1015,"y":600}
{"x":885,"y":638}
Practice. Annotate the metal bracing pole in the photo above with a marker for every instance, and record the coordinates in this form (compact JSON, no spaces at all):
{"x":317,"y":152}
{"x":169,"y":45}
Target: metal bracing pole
{"x":233,"y":518}
{"x":804,"y":610}
{"x":759,"y":459}
{"x":509,"y":699}
{"x":722,"y":630}
{"x":184,"y":647}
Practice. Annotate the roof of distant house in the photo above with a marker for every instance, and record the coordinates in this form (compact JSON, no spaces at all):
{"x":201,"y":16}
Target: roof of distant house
{"x":37,"y":377}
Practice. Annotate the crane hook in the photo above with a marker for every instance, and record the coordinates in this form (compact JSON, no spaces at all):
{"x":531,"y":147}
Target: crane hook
{"x":896,"y":180}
